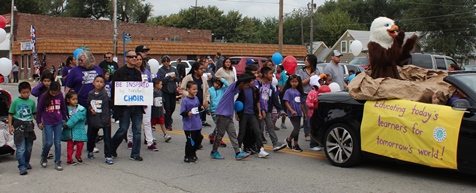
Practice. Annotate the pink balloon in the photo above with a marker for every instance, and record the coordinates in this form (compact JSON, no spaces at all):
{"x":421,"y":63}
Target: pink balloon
{"x":290,"y":64}
{"x":3,"y":23}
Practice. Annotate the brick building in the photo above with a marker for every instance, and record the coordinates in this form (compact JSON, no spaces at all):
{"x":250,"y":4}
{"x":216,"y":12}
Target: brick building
{"x":58,"y":37}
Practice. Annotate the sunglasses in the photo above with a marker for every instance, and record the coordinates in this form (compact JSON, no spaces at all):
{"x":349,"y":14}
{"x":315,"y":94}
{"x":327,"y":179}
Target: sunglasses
{"x":131,"y":56}
{"x":108,"y":57}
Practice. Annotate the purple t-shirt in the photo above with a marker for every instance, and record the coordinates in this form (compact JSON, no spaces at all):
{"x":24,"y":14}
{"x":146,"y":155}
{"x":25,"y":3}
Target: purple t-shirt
{"x":295,"y":99}
{"x":193,"y":122}
{"x":66,"y":70}
{"x":53,"y":113}
{"x":79,"y":76}
{"x":248,"y":103}
{"x":226,"y":106}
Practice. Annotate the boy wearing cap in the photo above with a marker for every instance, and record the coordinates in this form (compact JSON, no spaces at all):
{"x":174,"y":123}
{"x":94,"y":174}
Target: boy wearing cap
{"x":335,"y":69}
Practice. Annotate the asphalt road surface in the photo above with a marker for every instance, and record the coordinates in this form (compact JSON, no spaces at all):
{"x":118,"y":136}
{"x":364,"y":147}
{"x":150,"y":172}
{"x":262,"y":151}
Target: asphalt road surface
{"x":165,"y":171}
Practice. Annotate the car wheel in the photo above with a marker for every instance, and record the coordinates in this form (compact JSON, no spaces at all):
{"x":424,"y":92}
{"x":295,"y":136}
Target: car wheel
{"x":342,"y":146}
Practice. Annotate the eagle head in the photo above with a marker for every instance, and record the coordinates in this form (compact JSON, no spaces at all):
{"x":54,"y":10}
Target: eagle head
{"x":382,"y":31}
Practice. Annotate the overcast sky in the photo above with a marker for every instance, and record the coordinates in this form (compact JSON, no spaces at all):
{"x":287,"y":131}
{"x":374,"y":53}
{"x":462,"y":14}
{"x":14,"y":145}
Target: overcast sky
{"x":250,"y":8}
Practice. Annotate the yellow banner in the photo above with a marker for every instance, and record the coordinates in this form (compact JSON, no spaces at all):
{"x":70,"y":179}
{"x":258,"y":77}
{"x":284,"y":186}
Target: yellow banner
{"x":416,"y":132}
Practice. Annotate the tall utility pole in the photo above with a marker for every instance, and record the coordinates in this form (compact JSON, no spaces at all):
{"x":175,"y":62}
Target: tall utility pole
{"x":114,"y":19}
{"x":311,"y":6}
{"x":280,"y":28}
{"x":302,"y":29}
{"x":12,"y":22}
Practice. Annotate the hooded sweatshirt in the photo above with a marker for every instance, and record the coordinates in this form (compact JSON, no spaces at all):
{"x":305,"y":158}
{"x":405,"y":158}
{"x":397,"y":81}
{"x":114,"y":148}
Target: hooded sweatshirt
{"x":216,"y":95}
{"x":100,"y":103}
{"x":53,"y":113}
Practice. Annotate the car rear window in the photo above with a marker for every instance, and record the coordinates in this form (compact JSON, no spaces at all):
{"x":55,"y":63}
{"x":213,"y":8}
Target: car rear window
{"x":359,"y":61}
{"x":174,"y":64}
{"x":421,"y":60}
{"x":235,"y":61}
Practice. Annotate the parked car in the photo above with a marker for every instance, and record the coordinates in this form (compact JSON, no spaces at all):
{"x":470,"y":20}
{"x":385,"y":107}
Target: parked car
{"x":361,"y":61}
{"x":239,"y":62}
{"x":337,"y":126}
{"x":468,"y":67}
{"x":345,"y":67}
{"x":300,"y":65}
{"x":431,"y":61}
{"x":428,"y":61}
{"x":188,"y":62}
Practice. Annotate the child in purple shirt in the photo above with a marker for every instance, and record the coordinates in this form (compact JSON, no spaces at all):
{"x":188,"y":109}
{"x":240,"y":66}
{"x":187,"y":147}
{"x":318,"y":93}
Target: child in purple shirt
{"x":51,"y":114}
{"x":192,"y":124}
{"x":294,"y":100}
{"x":225,"y":112}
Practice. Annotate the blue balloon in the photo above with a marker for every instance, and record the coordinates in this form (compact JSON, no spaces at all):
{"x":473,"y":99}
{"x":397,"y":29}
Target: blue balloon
{"x":76,"y":53}
{"x":238,"y":106}
{"x":277,"y":58}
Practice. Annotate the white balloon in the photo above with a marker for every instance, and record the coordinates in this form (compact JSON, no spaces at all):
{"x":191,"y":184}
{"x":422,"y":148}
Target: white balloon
{"x":334,"y":87}
{"x":154,"y":66}
{"x":5,"y":66}
{"x":3,"y":35}
{"x":356,"y":47}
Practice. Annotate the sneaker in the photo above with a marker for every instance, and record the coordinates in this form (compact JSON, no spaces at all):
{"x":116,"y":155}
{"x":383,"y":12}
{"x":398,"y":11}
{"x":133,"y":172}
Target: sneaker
{"x":90,"y":155}
{"x":96,"y":150}
{"x":308,"y":138}
{"x":211,"y":138}
{"x":296,"y":148}
{"x":43,"y":162}
{"x":216,"y":155}
{"x":222,"y":144}
{"x":138,"y":158}
{"x":169,"y":128}
{"x":317,"y":148}
{"x":28,"y":167}
{"x":58,"y":167}
{"x":109,"y":161}
{"x":154,"y":142}
{"x":288,"y":143}
{"x":279,"y":147}
{"x":50,"y":156}
{"x":205,"y":124}
{"x":23,"y":172}
{"x":153,"y":148}
{"x":73,"y":163}
{"x":241,"y":156}
{"x":167,"y":138}
{"x":187,"y":160}
{"x":283,"y":126}
{"x":129,"y":145}
{"x":262,"y":153}
{"x":80,"y":161}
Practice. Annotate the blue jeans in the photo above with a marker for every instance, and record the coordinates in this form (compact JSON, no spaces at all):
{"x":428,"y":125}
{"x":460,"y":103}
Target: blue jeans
{"x":24,"y":154}
{"x":53,"y":134}
{"x":134,"y":114}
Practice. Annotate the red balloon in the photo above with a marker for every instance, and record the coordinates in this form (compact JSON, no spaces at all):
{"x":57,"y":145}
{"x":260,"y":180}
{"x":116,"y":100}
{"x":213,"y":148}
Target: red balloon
{"x":3,"y":24}
{"x":290,"y":64}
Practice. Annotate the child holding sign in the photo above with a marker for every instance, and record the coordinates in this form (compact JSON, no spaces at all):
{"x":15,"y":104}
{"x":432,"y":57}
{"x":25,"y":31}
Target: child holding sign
{"x":158,"y":108}
{"x":190,"y":111}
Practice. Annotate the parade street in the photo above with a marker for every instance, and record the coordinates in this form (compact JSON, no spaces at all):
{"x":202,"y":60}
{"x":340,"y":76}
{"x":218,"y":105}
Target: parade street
{"x":165,"y":170}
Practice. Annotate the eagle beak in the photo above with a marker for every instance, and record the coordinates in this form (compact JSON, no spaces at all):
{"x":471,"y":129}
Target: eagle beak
{"x":393,"y":31}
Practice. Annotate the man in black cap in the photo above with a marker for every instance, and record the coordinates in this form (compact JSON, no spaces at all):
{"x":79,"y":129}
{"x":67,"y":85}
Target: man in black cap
{"x":142,"y":50}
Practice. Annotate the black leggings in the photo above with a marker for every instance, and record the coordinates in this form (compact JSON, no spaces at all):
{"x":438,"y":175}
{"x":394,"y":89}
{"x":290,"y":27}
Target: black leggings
{"x":296,"y":121}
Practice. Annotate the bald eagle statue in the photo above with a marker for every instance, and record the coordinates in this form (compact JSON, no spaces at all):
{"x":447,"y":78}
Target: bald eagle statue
{"x":387,"y":48}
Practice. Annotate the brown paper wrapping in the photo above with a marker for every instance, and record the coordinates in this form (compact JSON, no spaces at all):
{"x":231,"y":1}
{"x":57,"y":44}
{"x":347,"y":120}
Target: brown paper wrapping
{"x":418,"y":84}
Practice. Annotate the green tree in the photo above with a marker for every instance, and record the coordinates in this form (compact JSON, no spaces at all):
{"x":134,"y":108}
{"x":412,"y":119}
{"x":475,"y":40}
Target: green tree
{"x":332,"y":25}
{"x":53,"y":7}
{"x":24,"y":6}
{"x":87,"y":8}
{"x":446,"y":26}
